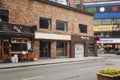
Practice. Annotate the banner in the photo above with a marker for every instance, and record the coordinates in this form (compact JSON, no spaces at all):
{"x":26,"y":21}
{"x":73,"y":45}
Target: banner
{"x":103,"y":28}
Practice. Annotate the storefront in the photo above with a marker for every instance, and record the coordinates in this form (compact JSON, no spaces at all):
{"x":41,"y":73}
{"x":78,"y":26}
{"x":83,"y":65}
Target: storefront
{"x":59,"y":51}
{"x":82,"y":46}
{"x":15,"y":40}
{"x":57,"y":46}
{"x":108,"y":45}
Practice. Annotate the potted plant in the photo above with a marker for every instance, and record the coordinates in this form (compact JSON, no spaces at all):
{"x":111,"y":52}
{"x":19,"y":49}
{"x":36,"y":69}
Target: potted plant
{"x":30,"y":50}
{"x":30,"y":54}
{"x":109,"y":74}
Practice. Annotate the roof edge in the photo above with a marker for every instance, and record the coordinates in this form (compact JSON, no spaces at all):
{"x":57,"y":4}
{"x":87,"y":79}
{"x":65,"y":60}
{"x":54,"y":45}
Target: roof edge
{"x":65,"y":7}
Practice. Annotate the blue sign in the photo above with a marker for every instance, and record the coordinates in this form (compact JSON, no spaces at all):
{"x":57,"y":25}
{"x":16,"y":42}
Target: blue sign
{"x":101,"y":4}
{"x":107,"y":15}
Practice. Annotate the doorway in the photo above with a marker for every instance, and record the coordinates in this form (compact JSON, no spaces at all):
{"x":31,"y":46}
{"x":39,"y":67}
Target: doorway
{"x":45,"y":48}
{"x":5,"y":54}
{"x":90,"y":49}
{"x":79,"y":50}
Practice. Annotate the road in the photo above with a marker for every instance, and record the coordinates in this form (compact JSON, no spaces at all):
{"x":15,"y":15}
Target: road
{"x":82,"y":70}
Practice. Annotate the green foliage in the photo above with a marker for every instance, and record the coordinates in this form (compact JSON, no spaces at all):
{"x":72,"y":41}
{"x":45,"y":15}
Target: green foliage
{"x":110,"y":71}
{"x":30,"y":50}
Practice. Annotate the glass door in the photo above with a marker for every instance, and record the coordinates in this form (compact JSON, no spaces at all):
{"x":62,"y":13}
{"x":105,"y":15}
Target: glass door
{"x":45,"y":48}
{"x":91,"y":49}
{"x":6,"y":46}
{"x":5,"y":49}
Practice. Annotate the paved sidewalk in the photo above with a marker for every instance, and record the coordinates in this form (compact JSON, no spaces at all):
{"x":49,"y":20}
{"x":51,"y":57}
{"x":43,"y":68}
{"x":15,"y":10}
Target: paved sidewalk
{"x":47,"y":61}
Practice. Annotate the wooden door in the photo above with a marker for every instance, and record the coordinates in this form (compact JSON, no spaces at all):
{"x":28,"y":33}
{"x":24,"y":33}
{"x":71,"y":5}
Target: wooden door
{"x":5,"y":49}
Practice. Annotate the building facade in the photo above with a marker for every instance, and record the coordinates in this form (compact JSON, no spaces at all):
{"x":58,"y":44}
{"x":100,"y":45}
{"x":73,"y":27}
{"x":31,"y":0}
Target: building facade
{"x":61,"y":31}
{"x":72,"y":3}
{"x":106,"y":23}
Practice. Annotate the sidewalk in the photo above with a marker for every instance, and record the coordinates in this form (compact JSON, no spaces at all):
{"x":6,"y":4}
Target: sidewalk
{"x":47,"y":61}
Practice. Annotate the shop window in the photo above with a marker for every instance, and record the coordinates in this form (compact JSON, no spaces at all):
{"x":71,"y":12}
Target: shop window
{"x":82,"y":28}
{"x":18,"y":47}
{"x":61,"y":25}
{"x":19,"y":44}
{"x":4,"y":14}
{"x":61,"y":49}
{"x":45,"y":23}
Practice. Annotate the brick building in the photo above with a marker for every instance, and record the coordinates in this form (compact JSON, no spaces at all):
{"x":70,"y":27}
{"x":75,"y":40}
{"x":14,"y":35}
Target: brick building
{"x":62,"y":31}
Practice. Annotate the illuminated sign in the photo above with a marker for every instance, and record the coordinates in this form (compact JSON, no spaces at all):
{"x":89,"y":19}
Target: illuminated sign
{"x":103,"y":28}
{"x":108,"y":40}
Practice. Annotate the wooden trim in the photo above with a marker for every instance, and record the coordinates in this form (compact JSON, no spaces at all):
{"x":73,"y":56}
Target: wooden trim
{"x":15,"y":52}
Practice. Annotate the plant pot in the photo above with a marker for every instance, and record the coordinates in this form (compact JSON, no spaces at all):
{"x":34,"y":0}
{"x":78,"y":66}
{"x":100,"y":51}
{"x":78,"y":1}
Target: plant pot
{"x":31,"y":56}
{"x":107,"y":77}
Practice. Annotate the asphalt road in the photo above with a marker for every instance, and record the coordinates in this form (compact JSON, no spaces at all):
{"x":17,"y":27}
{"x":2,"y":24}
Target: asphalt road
{"x":82,"y":70}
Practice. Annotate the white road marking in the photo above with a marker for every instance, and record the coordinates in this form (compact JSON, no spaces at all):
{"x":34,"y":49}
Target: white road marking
{"x":33,"y":78}
{"x":91,"y":68}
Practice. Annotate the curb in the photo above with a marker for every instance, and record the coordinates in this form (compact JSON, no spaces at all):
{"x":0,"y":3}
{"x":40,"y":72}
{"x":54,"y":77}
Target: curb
{"x":47,"y":63}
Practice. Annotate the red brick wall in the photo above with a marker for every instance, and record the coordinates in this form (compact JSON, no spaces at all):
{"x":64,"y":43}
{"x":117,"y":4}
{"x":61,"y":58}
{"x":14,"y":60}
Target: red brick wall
{"x":28,"y":12}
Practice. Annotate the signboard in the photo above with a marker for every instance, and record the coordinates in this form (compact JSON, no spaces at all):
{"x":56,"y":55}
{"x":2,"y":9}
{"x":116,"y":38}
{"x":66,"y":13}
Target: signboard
{"x":107,"y":15}
{"x":107,"y":28}
{"x":103,"y":28}
{"x":116,"y":27}
{"x":109,"y":40}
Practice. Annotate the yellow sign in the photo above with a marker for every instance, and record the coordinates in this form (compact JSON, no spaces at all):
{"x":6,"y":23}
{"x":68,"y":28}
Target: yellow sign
{"x":103,"y":28}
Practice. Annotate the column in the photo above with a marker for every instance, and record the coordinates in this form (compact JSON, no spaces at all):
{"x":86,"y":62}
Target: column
{"x":53,"y":49}
{"x":36,"y":48}
{"x":68,"y":49}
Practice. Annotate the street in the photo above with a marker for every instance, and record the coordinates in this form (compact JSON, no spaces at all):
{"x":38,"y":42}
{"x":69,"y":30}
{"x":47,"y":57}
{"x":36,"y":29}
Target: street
{"x":82,"y":70}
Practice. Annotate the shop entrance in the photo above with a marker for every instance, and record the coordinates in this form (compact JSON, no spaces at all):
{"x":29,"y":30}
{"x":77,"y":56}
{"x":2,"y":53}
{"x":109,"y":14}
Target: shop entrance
{"x":45,"y":48}
{"x":90,"y":49}
{"x":4,"y":54}
{"x":79,"y":50}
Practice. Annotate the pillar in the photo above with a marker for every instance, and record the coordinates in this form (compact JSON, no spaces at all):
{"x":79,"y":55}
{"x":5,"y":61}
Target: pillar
{"x":53,"y":49}
{"x":36,"y":48}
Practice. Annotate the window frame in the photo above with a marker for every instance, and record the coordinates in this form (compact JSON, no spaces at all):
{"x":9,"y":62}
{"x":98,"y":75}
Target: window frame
{"x":65,"y":23}
{"x":81,"y":29}
{"x":4,"y":15}
{"x":49,"y":23}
